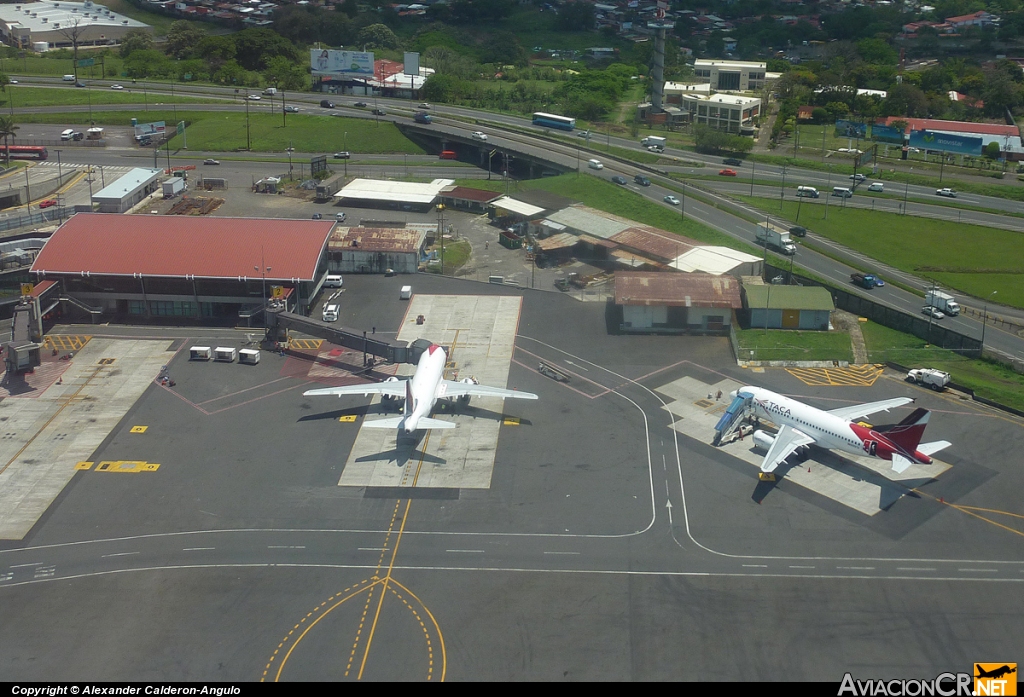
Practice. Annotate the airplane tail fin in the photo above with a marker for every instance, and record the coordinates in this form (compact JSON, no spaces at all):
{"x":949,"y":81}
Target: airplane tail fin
{"x":908,"y":433}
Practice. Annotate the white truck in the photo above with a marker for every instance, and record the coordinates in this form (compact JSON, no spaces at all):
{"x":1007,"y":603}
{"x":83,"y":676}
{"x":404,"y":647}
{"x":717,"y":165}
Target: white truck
{"x":928,"y":377}
{"x":174,"y":186}
{"x":653,"y":141}
{"x":776,"y":238}
{"x":942,"y":301}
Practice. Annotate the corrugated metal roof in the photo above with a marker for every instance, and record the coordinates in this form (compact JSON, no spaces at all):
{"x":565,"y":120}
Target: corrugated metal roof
{"x":712,"y":260}
{"x":469,"y":194}
{"x":653,"y":242}
{"x":510,"y":204}
{"x":676,"y":289}
{"x":182,"y":245}
{"x":590,"y":221}
{"x":128,"y":183}
{"x":400,"y":192}
{"x":562,"y":240}
{"x":367,"y":239}
{"x":789,"y":297}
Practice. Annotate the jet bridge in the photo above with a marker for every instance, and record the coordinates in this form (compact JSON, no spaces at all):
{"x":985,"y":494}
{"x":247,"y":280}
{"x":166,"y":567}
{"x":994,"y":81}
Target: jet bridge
{"x":734,"y":415}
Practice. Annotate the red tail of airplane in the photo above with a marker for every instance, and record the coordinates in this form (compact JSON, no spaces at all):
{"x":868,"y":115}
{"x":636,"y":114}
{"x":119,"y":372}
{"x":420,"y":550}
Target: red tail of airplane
{"x":908,"y":433}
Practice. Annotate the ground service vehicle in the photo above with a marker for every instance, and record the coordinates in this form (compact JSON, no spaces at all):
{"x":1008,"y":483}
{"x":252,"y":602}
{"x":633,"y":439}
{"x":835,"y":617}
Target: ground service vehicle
{"x":653,"y":140}
{"x":331,"y":313}
{"x":866,"y":280}
{"x":421,"y":117}
{"x":563,"y":123}
{"x":775,"y":238}
{"x":334,"y":281}
{"x":942,"y":301}
{"x":935,"y":379}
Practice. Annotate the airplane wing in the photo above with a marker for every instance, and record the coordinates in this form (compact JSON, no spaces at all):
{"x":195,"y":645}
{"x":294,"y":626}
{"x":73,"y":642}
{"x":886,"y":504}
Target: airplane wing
{"x":391,"y":389}
{"x":859,"y":411}
{"x":787,"y":440}
{"x":450,"y":388}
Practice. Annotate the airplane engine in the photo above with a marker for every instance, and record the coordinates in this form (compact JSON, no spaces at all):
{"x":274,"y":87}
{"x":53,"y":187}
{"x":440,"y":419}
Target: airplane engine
{"x":763,"y":440}
{"x":386,"y":397}
{"x":464,"y":399}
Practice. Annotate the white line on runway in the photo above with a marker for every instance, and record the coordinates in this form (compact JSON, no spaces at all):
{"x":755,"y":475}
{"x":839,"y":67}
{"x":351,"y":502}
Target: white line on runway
{"x":801,"y":567}
{"x":980,"y":571}
{"x":286,"y":546}
{"x":561,"y":552}
{"x":755,"y":566}
{"x":35,"y":563}
{"x":196,"y":549}
{"x":119,"y":554}
{"x":372,"y":549}
{"x":911,"y":568}
{"x":857,"y":568}
{"x":466,"y":551}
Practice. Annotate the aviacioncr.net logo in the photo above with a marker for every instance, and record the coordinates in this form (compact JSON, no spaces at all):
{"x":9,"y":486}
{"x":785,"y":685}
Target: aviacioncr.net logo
{"x":943,"y":685}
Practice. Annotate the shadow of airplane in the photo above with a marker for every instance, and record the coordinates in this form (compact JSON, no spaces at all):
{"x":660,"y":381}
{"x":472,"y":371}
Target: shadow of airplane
{"x":404,"y":451}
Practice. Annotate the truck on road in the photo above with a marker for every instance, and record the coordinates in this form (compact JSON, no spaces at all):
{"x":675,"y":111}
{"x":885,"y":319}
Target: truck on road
{"x":942,"y":301}
{"x":656,"y":141}
{"x":775,"y":238}
{"x":928,"y":377}
{"x":866,"y":280}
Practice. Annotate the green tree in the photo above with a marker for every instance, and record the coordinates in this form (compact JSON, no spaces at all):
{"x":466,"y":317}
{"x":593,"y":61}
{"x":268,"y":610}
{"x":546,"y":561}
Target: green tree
{"x":136,"y":40}
{"x":991,"y":150}
{"x":377,"y":36}
{"x":183,"y":38}
{"x":575,"y":16}
{"x":7,"y":130}
{"x":254,"y":48}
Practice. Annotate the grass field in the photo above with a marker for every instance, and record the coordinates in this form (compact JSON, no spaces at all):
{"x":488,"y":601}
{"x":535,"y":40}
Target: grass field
{"x":792,"y":345}
{"x":456,"y":254}
{"x":969,"y":258}
{"x":986,"y":378}
{"x":38,"y":65}
{"x":45,"y":96}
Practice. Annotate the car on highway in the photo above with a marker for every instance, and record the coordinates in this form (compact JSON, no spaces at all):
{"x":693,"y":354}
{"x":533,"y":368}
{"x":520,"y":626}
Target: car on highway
{"x":642,"y":180}
{"x":48,"y":203}
{"x":947,"y":192}
{"x":798,"y":231}
{"x":117,"y":87}
{"x":253,"y":98}
{"x":595,"y":164}
{"x":478,"y":135}
{"x":619,"y":180}
{"x":14,"y":82}
{"x":583,"y":134}
{"x":877,"y":186}
{"x":326,"y":104}
{"x":424,"y":105}
{"x":379,"y":112}
{"x":671,"y":200}
{"x":79,"y":84}
{"x":360,"y":104}
{"x":933,"y":312}
{"x":858,"y":177}
{"x":291,"y":109}
{"x":727,"y":173}
{"x":211,"y":161}
{"x":732,"y":161}
{"x":343,"y":155}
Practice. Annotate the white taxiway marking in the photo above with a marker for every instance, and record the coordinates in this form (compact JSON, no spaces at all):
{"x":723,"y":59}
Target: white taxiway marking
{"x":119,"y":554}
{"x":286,"y":546}
{"x":197,"y":549}
{"x":35,"y":563}
{"x":912,"y":568}
{"x":466,"y":551}
{"x":561,"y":552}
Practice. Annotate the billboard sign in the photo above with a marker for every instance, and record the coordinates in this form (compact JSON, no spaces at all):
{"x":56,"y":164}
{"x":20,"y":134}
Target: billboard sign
{"x":412,"y":63}
{"x":886,"y":134}
{"x":339,"y":64}
{"x":851,"y":129}
{"x":944,"y":142}
{"x":157,"y":128}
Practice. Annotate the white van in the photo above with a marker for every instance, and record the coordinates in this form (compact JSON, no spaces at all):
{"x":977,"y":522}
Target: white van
{"x":331,"y":313}
{"x":69,"y":78}
{"x":595,"y":164}
{"x":270,"y":91}
{"x":876,"y":186}
{"x":67,"y":134}
{"x":806,"y":192}
{"x":333,"y":281}
{"x":842,"y":192}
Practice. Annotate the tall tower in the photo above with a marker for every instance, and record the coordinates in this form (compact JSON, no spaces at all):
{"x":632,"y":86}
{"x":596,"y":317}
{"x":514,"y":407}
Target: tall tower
{"x":659,"y":25}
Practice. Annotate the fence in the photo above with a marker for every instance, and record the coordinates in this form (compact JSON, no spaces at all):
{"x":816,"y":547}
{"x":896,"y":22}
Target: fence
{"x":54,"y":214}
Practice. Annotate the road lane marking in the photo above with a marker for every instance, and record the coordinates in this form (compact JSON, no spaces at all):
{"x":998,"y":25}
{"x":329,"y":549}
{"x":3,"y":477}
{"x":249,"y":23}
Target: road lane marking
{"x":912,"y":568}
{"x":561,"y":552}
{"x":119,"y":554}
{"x":465,"y":551}
{"x":197,"y":549}
{"x":19,"y":566}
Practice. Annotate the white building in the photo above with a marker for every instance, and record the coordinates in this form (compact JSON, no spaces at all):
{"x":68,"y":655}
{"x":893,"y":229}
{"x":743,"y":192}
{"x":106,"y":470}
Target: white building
{"x":731,"y":76}
{"x":33,"y":24}
{"x":724,"y":112}
{"x":126,"y":192}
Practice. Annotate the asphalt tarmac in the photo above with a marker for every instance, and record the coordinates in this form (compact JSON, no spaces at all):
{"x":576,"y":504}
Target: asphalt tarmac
{"x":608,"y":546}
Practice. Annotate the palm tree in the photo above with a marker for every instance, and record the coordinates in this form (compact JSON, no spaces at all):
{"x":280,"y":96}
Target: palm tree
{"x":7,"y":130}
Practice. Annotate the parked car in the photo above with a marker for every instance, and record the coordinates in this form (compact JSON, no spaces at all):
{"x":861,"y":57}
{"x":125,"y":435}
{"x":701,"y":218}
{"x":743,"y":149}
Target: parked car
{"x":48,"y":203}
{"x":727,"y":173}
{"x":478,"y":135}
{"x":318,"y":216}
{"x":619,"y":180}
{"x":671,"y":200}
{"x":340,"y":217}
{"x":343,"y":155}
{"x":116,"y":87}
{"x":732,"y":161}
{"x":360,"y":104}
{"x":933,"y":312}
{"x":947,"y":192}
{"x":291,"y":109}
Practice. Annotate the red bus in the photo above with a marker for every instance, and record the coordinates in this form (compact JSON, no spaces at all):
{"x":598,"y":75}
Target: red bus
{"x":24,"y":152}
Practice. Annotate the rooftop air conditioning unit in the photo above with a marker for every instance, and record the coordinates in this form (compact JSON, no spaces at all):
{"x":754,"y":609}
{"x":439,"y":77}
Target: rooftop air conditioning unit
{"x":125,"y":21}
{"x":45,"y":20}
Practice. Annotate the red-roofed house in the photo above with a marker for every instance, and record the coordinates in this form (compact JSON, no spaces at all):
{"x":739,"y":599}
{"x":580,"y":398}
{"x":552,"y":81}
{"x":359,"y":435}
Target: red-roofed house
{"x":975,"y":19}
{"x":184,"y":267}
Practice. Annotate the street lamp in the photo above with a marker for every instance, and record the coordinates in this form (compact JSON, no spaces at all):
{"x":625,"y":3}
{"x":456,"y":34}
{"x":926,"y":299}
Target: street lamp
{"x":440,"y":232}
{"x":264,"y":270}
{"x":346,"y":152}
{"x":984,"y":321}
{"x":906,"y":189}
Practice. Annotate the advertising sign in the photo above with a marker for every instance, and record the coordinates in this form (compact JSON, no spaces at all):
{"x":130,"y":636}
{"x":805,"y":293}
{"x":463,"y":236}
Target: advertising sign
{"x":851,"y":129}
{"x":412,"y":63}
{"x":930,"y":140}
{"x":331,"y":63}
{"x":886,"y":134}
{"x":317,"y":164}
{"x":150,"y":129}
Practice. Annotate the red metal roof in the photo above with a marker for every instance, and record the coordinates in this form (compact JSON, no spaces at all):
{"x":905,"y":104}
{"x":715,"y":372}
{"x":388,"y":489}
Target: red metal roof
{"x":676,"y":289}
{"x":182,"y":245}
{"x":993,"y":129}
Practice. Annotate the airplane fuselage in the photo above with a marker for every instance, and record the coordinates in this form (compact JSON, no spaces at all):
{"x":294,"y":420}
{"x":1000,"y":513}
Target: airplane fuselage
{"x":424,"y":387}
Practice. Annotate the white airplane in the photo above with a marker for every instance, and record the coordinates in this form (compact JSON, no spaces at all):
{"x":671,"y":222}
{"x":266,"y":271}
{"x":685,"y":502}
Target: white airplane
{"x":421,"y":393}
{"x":801,"y":425}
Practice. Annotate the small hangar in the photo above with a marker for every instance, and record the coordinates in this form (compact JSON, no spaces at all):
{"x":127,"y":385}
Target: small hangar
{"x":670,"y":303}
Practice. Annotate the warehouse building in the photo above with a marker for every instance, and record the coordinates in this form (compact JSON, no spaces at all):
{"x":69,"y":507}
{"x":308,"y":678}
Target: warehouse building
{"x":125,"y":193}
{"x":376,"y":250}
{"x":670,"y":303}
{"x":41,"y":26}
{"x":379,"y":193}
{"x":183,"y":268}
{"x":789,"y":307}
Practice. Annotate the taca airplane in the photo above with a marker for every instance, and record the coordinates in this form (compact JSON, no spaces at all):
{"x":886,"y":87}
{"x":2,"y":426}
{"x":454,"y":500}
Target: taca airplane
{"x":421,"y":393}
{"x":801,"y":425}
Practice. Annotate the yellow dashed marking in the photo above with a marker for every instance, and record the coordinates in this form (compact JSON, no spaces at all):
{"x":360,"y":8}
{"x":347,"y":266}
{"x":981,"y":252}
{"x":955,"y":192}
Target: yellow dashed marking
{"x":854,"y":375}
{"x":84,"y":465}
{"x":65,"y":342}
{"x":127,"y":466}
{"x":511,"y":421}
{"x":305,"y":344}
{"x":139,"y":429}
{"x":347,"y":419}
{"x":106,"y":361}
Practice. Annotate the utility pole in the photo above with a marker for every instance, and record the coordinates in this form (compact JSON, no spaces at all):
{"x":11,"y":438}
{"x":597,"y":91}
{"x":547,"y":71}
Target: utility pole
{"x":248,"y":139}
{"x":906,"y":190}
{"x":284,"y":112}
{"x":782,"y":188}
{"x":753,"y":166}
